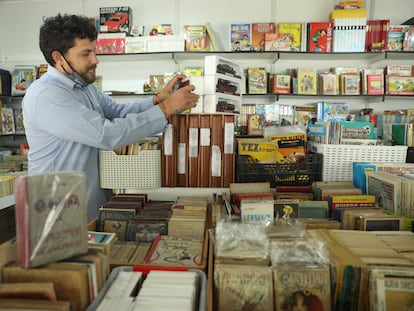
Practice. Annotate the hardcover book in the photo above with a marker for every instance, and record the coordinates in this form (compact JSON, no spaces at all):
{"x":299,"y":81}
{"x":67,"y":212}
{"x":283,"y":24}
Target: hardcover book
{"x":7,"y":121}
{"x":320,"y":36}
{"x":295,"y":32}
{"x":257,"y":210}
{"x":240,"y":37}
{"x":277,"y":42}
{"x":195,"y":38}
{"x":307,"y":81}
{"x":256,"y":80}
{"x":21,"y":78}
{"x":51,"y":219}
{"x":115,"y":220}
{"x":259,"y":30}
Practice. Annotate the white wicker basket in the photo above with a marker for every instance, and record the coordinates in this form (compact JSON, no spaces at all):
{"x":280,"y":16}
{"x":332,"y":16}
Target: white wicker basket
{"x":142,"y":171}
{"x":338,"y":159}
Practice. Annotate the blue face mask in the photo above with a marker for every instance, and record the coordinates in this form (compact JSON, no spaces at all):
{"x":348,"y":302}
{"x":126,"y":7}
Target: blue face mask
{"x":74,"y":76}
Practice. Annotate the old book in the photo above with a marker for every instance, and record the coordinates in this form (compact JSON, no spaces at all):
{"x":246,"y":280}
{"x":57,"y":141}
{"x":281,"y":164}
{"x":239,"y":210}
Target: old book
{"x":101,"y":240}
{"x":146,"y":229}
{"x":71,"y":282}
{"x":51,"y":219}
{"x":195,"y":38}
{"x":34,"y":304}
{"x":240,"y":287}
{"x":257,"y":210}
{"x":285,"y":209}
{"x":302,"y":285}
{"x":259,"y":30}
{"x":170,"y":251}
{"x":115,"y":220}
{"x":28,"y":290}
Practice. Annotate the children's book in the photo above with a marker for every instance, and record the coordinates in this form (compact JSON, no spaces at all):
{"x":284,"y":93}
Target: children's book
{"x":295,"y":32}
{"x":240,"y":37}
{"x":259,"y":30}
{"x":256,"y":80}
{"x":22,"y":78}
{"x":277,"y":42}
{"x":320,"y":36}
{"x":195,"y":38}
{"x":396,"y":34}
{"x":7,"y":121}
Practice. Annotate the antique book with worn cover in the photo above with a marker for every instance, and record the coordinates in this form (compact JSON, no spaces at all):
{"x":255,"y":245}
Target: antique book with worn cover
{"x":51,"y":219}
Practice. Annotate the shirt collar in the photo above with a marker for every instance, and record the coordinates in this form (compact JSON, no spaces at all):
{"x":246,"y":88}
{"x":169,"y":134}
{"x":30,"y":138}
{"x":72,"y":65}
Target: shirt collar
{"x":62,"y":78}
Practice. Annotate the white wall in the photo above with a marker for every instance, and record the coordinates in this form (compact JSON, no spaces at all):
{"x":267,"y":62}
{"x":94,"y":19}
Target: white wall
{"x":20,"y":21}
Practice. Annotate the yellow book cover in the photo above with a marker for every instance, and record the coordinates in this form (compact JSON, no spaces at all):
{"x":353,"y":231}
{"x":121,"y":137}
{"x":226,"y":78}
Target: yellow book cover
{"x":354,"y":13}
{"x":260,"y":151}
{"x":307,"y":81}
{"x":295,"y":31}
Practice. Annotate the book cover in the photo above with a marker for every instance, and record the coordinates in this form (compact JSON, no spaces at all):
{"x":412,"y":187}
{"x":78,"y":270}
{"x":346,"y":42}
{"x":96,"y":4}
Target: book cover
{"x":302,"y":286}
{"x":257,"y":210}
{"x":375,"y":84}
{"x":18,"y":120}
{"x":171,"y":251}
{"x":240,"y":287}
{"x":115,"y":220}
{"x":328,"y":83}
{"x":146,"y":230}
{"x":396,"y":34}
{"x":277,"y":42}
{"x":256,"y":80}
{"x":303,"y":115}
{"x":307,"y":81}
{"x":328,"y":111}
{"x":357,"y":129}
{"x":386,"y":189}
{"x":320,"y":36}
{"x":255,"y":124}
{"x":240,"y":37}
{"x":7,"y":121}
{"x":259,"y":30}
{"x":195,"y":38}
{"x":295,"y":32}
{"x":259,"y":151}
{"x":285,"y":209}
{"x":21,"y":78}
{"x":279,"y":84}
{"x":51,"y":217}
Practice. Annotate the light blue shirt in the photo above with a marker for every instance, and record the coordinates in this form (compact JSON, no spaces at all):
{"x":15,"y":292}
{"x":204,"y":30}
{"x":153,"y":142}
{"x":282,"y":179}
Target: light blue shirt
{"x":66,"y":125}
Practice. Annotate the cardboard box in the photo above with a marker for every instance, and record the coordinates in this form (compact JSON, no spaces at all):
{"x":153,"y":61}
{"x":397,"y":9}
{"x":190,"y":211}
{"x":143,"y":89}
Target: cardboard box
{"x":115,"y":19}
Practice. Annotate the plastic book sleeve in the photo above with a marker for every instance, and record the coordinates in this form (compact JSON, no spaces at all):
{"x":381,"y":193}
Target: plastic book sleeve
{"x":298,"y":251}
{"x":241,"y":240}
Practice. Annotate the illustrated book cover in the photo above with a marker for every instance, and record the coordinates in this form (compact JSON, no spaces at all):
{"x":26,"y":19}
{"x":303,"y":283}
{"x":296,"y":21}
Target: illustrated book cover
{"x":7,"y":121}
{"x":240,"y":287}
{"x":21,"y":78}
{"x":320,"y":36}
{"x":51,"y":217}
{"x":171,"y":251}
{"x":240,"y":37}
{"x":277,"y":42}
{"x":195,"y":38}
{"x":302,"y":285}
{"x":259,"y":31}
{"x":295,"y":32}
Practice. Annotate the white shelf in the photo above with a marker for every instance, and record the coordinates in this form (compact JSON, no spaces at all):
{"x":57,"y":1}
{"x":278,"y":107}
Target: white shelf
{"x":7,"y":201}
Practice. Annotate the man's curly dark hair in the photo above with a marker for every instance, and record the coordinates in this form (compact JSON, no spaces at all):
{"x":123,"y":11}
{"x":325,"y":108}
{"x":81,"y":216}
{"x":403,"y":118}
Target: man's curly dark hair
{"x":58,"y":33}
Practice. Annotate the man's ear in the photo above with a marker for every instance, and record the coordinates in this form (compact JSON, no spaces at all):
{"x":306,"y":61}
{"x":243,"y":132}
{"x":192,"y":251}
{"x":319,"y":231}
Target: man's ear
{"x":57,"y":57}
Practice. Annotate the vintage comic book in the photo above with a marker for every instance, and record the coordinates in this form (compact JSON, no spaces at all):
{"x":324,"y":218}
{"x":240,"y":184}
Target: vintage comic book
{"x":302,"y":286}
{"x":195,"y":38}
{"x":240,"y":37}
{"x":21,"y":78}
{"x":255,"y":124}
{"x":295,"y":32}
{"x":307,"y":81}
{"x":18,"y":120}
{"x":51,"y":220}
{"x":320,"y":36}
{"x":238,"y":287}
{"x":396,"y":34}
{"x":279,"y":83}
{"x":357,"y":129}
{"x":259,"y":30}
{"x":115,"y":220}
{"x":256,"y":80}
{"x":329,"y":111}
{"x":259,"y":150}
{"x":171,"y":251}
{"x":277,"y":42}
{"x":7,"y":121}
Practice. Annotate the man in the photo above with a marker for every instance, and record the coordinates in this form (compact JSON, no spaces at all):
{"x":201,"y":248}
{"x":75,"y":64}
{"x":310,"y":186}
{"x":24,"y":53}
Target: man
{"x":67,"y":120}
